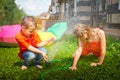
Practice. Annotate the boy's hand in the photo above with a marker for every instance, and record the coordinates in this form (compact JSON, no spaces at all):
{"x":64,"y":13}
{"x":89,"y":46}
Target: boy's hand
{"x":44,"y":56}
{"x":51,"y":39}
{"x":48,"y":63}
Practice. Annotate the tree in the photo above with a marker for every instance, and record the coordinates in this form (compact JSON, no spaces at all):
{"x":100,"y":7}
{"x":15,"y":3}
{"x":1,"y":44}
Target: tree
{"x":9,"y":12}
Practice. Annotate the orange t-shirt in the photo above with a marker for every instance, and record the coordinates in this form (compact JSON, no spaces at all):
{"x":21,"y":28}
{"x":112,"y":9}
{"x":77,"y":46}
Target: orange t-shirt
{"x":24,"y":41}
{"x":91,"y":47}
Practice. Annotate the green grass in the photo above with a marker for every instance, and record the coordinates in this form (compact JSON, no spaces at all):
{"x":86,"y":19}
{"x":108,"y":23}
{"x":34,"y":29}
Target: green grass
{"x":62,"y":50}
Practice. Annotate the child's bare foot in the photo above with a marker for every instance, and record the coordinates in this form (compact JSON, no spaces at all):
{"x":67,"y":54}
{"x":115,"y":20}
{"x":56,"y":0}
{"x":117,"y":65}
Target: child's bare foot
{"x":23,"y":67}
{"x":40,"y":67}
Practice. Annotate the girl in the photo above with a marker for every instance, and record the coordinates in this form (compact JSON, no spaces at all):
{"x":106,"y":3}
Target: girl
{"x":90,"y":40}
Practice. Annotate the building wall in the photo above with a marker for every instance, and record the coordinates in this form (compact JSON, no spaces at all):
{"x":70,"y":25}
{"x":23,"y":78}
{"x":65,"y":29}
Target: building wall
{"x":113,"y":14}
{"x":115,"y":18}
{"x":92,"y":12}
{"x":79,"y":11}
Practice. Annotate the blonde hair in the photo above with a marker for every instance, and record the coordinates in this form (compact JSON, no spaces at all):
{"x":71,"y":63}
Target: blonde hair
{"x":28,"y":21}
{"x":79,"y":30}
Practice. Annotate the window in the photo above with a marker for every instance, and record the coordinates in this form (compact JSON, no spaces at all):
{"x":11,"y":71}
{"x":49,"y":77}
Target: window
{"x":119,"y":5}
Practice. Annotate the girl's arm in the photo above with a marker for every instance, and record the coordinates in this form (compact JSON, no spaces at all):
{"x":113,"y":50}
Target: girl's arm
{"x":103,"y":47}
{"x":76,"y":56}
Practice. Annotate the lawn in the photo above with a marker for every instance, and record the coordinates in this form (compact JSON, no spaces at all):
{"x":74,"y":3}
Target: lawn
{"x":60,"y":55}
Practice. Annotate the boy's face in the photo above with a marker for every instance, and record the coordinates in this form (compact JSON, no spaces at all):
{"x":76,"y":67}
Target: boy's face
{"x":29,"y":31}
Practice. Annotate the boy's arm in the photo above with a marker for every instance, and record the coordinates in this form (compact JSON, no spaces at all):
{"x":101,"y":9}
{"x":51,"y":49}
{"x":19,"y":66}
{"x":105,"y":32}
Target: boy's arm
{"x":33,"y":49}
{"x":26,"y":45}
{"x":41,"y":44}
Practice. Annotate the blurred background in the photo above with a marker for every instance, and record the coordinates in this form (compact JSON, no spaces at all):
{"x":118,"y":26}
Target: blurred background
{"x":104,"y":14}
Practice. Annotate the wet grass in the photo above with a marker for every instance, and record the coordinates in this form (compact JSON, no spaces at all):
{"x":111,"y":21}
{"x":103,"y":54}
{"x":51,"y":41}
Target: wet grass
{"x":57,"y":70}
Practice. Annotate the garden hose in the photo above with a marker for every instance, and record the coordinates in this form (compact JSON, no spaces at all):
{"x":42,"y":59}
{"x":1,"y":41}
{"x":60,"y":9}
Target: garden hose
{"x":56,"y":69}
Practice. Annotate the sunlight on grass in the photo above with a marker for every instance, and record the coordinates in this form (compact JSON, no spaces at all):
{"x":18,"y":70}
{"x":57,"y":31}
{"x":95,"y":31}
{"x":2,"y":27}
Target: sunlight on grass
{"x":62,"y":50}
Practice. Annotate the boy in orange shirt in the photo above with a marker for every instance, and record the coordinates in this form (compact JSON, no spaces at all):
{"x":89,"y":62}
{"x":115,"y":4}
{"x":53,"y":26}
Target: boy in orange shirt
{"x":30,"y":44}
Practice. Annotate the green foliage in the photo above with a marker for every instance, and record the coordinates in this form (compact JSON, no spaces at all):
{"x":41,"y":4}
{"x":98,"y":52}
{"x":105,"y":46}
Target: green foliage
{"x":109,"y":70}
{"x":9,"y":12}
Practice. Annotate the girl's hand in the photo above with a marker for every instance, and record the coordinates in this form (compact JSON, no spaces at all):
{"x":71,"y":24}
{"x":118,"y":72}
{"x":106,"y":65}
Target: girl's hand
{"x":72,"y":68}
{"x":94,"y":64}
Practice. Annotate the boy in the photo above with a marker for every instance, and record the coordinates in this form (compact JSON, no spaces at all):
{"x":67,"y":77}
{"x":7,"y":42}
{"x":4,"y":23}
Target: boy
{"x":30,"y":43}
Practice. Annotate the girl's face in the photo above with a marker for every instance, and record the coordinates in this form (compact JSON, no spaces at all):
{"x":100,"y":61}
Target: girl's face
{"x":85,"y":34}
{"x":93,"y":32}
{"x":29,"y":31}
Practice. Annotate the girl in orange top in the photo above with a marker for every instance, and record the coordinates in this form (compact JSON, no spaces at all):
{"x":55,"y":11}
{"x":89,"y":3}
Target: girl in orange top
{"x":90,"y":40}
{"x":30,"y":44}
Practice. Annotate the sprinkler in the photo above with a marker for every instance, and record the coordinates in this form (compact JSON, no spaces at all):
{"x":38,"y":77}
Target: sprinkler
{"x":55,"y":69}
{"x":47,"y":63}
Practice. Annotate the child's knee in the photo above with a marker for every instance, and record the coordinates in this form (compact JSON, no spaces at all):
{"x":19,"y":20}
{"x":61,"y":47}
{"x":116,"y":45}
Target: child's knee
{"x":43,"y":49}
{"x":31,"y":56}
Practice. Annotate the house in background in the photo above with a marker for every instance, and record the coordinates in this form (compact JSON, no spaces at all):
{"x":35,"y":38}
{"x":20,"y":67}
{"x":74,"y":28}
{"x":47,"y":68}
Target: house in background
{"x":91,"y":12}
{"x":113,"y":14}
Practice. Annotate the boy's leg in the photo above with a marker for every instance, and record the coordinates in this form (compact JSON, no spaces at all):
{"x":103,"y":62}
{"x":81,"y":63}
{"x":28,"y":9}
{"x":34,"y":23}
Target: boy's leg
{"x":39,"y":57}
{"x":27,"y":57}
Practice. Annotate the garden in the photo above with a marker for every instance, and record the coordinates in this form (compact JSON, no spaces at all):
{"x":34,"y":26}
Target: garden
{"x":60,"y":55}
